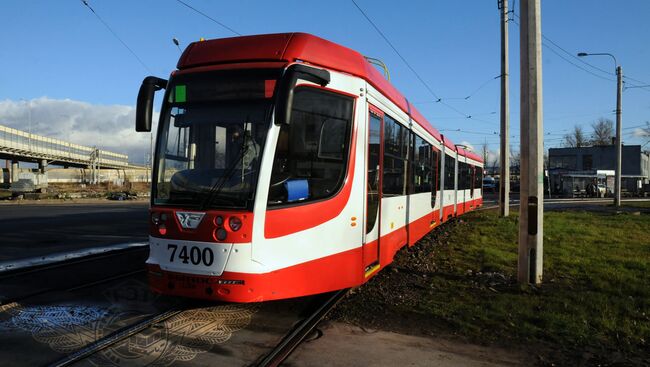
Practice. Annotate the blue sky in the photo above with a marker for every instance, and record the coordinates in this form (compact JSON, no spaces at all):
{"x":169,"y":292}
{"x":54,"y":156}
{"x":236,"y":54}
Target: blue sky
{"x":57,"y":53}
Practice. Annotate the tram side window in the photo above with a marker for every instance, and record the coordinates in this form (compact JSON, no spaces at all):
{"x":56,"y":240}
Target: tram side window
{"x":465,"y":176}
{"x":478,"y":178}
{"x":395,"y":157}
{"x":421,"y":166}
{"x":312,"y":150}
{"x":462,"y":175}
{"x":437,"y":167}
{"x":435,"y":170}
{"x":450,"y":172}
{"x":470,"y":176}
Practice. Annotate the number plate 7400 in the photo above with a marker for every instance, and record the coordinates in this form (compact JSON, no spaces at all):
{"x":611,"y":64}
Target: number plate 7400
{"x":190,"y":254}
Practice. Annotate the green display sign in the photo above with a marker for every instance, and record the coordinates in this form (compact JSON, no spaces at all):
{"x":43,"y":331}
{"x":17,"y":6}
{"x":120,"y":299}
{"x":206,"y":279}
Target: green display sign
{"x":180,"y":93}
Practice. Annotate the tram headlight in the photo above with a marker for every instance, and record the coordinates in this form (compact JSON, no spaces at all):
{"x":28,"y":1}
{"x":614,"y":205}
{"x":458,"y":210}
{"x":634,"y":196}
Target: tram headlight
{"x":163,"y":217}
{"x":218,"y":220}
{"x":234,"y":223}
{"x":220,"y":234}
{"x":155,"y":218}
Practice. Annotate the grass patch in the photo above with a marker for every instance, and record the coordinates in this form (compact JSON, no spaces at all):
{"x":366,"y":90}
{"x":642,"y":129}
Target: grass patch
{"x":594,"y":304}
{"x":636,"y":204}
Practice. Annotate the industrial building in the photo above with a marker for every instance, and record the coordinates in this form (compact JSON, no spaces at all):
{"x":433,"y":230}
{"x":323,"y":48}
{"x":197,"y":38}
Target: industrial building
{"x":572,"y":170}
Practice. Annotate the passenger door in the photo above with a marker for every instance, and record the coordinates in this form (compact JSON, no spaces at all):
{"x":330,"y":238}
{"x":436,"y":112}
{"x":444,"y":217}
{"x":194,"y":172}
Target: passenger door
{"x":374,"y":176}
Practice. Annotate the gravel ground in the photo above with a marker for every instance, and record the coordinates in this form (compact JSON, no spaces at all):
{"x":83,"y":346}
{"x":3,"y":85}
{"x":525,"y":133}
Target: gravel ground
{"x":379,"y":303}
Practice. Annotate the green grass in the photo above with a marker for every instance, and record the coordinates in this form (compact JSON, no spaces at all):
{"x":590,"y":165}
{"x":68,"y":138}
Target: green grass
{"x":595,"y":294}
{"x":637,"y":204}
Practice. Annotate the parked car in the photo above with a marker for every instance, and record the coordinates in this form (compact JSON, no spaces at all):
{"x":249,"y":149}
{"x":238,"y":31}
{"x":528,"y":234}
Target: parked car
{"x":489,"y":183}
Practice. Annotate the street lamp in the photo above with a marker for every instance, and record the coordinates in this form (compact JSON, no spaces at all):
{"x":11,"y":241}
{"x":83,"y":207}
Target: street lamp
{"x":177,"y":43}
{"x":619,"y":92}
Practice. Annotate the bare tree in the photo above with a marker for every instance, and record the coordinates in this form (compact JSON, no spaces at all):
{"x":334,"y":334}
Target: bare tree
{"x":576,"y":138}
{"x":515,"y":160}
{"x":485,"y":151}
{"x":495,"y":164}
{"x":603,"y":132}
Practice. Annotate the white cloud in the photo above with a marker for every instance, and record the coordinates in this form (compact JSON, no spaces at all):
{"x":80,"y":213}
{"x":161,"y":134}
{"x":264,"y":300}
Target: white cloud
{"x":110,"y":127}
{"x":640,"y":133}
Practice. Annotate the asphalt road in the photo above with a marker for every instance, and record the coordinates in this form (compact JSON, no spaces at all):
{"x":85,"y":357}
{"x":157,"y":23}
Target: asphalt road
{"x":29,"y":230}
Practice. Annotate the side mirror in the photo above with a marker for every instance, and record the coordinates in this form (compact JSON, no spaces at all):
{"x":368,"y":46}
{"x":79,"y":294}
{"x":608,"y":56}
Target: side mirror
{"x":144,"y":108}
{"x":288,"y":83}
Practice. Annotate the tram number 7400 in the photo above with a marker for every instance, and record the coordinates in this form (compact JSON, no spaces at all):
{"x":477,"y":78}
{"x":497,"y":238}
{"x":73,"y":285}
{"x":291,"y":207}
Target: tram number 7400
{"x":194,"y":255}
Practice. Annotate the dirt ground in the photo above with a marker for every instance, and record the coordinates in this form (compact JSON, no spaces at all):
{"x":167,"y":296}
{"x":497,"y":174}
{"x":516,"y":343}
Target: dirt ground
{"x":375,"y":306}
{"x":340,"y":344}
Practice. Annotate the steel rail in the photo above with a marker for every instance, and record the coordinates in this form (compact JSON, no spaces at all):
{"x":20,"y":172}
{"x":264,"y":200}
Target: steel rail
{"x":300,"y":331}
{"x":13,"y":273}
{"x":114,"y":338}
{"x":64,"y":264}
{"x":9,"y":301}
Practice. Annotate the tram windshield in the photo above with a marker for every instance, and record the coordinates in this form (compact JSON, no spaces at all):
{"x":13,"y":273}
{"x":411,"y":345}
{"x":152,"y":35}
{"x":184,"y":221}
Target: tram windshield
{"x":214,"y":126}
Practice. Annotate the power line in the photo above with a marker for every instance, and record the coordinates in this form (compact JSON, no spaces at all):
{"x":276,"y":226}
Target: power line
{"x":481,"y":87}
{"x":397,"y":52}
{"x":462,"y":98}
{"x":417,"y":75}
{"x":470,"y":132}
{"x":209,"y":17}
{"x":586,"y":63}
{"x":116,"y":36}
{"x":567,"y":60}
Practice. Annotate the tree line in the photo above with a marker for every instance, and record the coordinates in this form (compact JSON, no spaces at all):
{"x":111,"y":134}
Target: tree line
{"x":602,"y":134}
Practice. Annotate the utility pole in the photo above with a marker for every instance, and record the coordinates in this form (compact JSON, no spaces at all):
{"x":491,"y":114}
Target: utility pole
{"x":504,"y":185}
{"x":619,"y":145}
{"x":619,"y":93}
{"x":531,"y":208}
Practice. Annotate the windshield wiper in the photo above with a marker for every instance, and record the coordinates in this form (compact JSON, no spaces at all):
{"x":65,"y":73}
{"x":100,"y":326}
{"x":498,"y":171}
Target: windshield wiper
{"x":229,"y":172}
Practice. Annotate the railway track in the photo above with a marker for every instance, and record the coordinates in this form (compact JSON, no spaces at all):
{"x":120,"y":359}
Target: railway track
{"x":320,"y":306}
{"x":114,"y":338}
{"x":20,"y":284}
{"x":301,"y":330}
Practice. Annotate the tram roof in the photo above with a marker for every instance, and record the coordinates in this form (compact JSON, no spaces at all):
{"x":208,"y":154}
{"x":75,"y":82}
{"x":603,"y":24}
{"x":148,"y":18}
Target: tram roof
{"x":298,"y":47}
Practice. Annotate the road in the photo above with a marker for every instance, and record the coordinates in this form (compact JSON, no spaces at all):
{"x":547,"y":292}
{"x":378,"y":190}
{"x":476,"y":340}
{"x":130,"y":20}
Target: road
{"x":29,"y":230}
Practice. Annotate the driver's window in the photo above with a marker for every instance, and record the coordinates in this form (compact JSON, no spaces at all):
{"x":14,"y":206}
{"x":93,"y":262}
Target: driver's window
{"x":312,"y":150}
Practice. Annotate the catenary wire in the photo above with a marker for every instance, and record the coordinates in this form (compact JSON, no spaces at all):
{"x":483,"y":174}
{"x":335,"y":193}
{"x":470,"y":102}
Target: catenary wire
{"x":417,"y":75}
{"x":85,"y":2}
{"x":209,"y":17}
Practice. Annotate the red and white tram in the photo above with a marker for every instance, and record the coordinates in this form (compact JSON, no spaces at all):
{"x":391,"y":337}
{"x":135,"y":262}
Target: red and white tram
{"x":286,"y":165}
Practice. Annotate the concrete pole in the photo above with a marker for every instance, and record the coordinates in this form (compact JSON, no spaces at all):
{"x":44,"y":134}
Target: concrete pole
{"x":42,"y":165}
{"x":13,"y":176}
{"x":619,"y":145}
{"x":504,"y":185}
{"x":531,"y":208}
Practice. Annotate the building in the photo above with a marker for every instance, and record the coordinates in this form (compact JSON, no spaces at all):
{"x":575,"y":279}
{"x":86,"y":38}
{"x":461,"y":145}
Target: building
{"x":572,"y":170}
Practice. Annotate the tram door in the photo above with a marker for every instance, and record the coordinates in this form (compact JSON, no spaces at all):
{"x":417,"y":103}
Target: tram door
{"x":471,"y":185}
{"x":373,"y":193}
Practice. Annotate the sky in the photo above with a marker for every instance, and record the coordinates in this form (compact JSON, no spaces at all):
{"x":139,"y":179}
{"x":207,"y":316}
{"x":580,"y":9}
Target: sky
{"x":79,"y":82}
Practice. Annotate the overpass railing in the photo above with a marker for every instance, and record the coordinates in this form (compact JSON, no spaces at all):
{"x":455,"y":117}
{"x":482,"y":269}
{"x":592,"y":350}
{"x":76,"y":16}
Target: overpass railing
{"x":23,"y":144}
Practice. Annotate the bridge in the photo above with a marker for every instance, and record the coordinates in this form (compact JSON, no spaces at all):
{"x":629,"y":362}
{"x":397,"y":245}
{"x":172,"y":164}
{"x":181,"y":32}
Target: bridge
{"x":17,"y":145}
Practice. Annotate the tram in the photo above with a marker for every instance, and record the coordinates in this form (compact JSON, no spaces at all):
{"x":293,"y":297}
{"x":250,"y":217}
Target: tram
{"x":287,"y":165}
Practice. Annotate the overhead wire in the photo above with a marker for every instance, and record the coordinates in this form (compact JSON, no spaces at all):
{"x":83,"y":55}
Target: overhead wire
{"x":417,"y":75}
{"x":585,"y":62}
{"x":209,"y":17}
{"x":566,"y":59}
{"x":85,"y":2}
